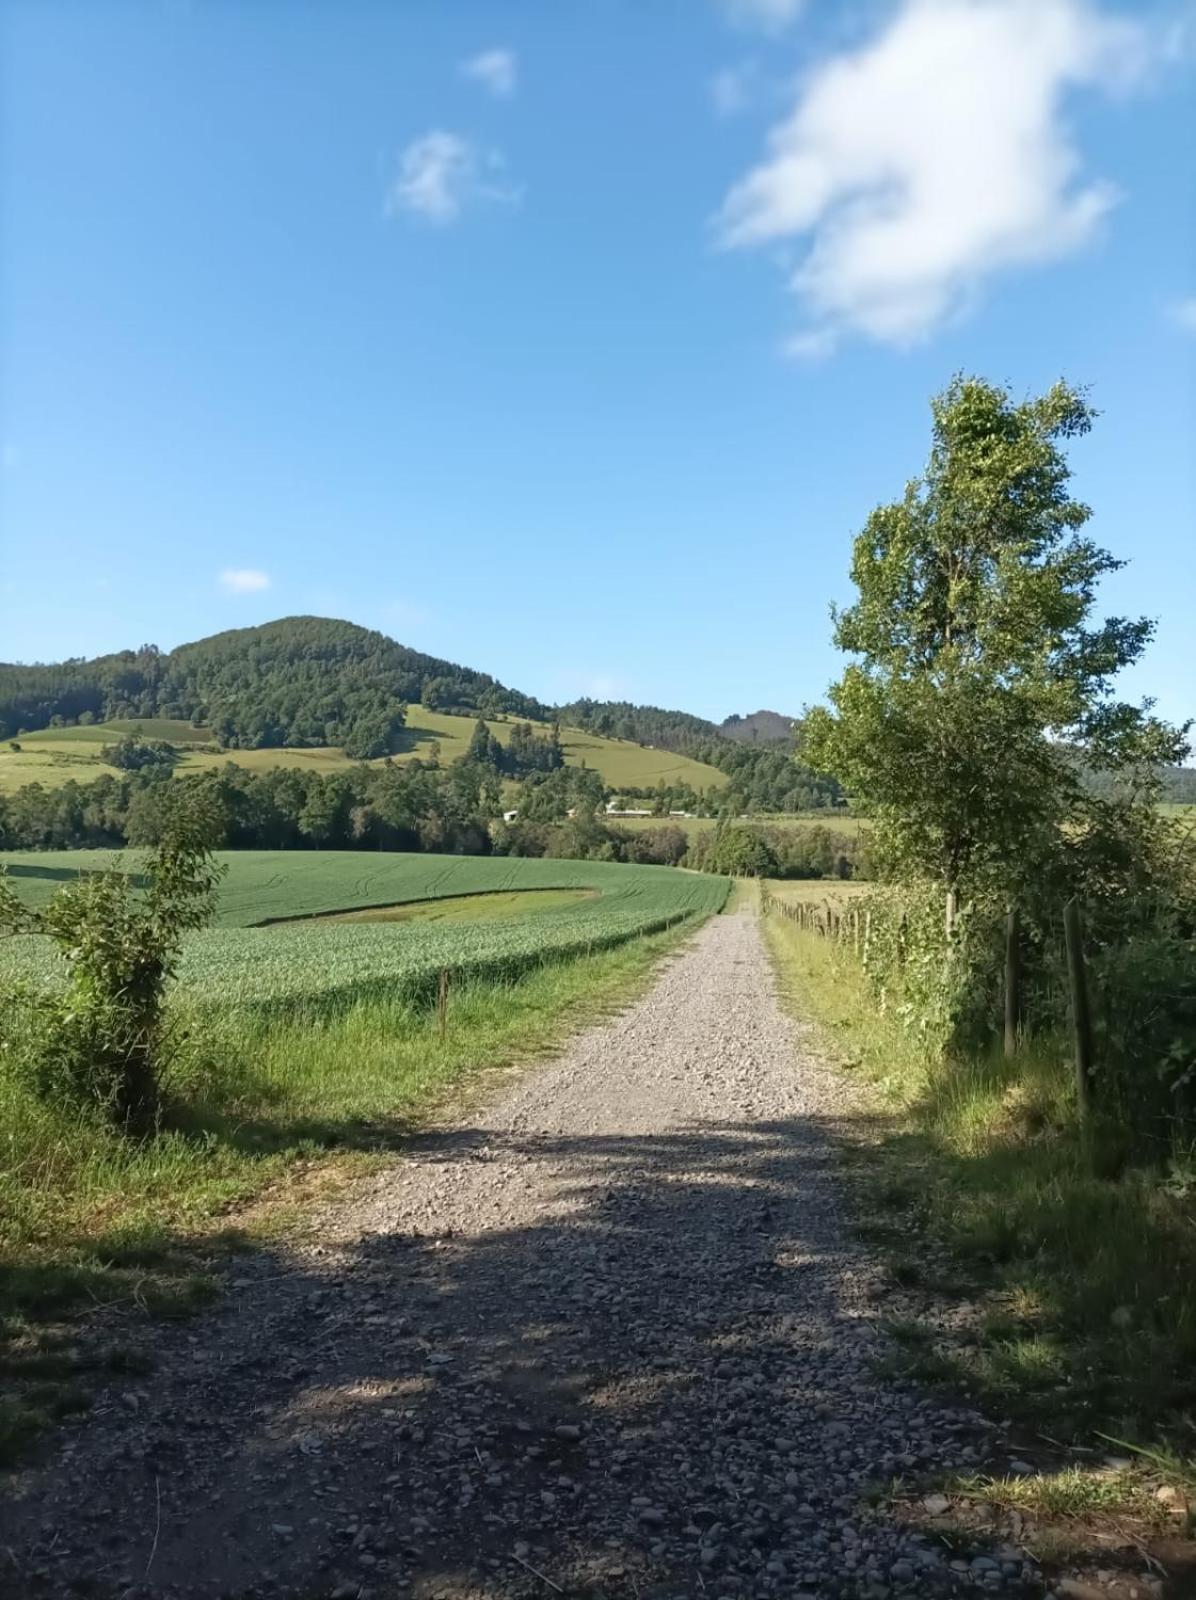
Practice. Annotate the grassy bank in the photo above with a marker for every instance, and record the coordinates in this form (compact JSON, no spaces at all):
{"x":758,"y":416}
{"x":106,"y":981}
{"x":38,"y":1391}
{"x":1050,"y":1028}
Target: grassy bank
{"x":1085,"y":1284}
{"x":90,"y":1219}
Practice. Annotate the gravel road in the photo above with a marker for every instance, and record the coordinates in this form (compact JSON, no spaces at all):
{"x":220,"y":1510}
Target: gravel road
{"x":607,"y":1340}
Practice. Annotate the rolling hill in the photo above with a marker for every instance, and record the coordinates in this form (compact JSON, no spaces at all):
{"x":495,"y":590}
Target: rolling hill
{"x":303,"y":692}
{"x":301,"y":682}
{"x":55,"y":755}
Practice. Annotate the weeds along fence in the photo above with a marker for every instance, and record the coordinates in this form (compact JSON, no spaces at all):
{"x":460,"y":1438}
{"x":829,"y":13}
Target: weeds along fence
{"x":1120,"y":987}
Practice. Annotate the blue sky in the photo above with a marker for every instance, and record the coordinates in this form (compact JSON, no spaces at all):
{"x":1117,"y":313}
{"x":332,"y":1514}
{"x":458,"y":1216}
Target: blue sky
{"x":571,"y":339}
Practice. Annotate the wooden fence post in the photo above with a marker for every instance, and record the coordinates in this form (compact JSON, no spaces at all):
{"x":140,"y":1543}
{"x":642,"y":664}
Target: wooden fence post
{"x":1081,"y":1020}
{"x":1013,"y":975}
{"x":442,"y":1003}
{"x":867,"y":937}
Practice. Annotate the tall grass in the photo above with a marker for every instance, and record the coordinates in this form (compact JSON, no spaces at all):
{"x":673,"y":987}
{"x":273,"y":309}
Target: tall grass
{"x":1087,"y":1275}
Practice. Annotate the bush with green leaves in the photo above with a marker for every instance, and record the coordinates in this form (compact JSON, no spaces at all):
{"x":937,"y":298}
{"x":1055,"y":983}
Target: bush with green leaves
{"x":101,"y":1042}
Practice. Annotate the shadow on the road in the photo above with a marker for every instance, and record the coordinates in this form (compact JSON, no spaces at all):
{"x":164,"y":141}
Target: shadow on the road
{"x":426,"y":1412}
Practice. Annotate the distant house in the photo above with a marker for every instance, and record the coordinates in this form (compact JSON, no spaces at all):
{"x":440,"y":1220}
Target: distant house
{"x":510,"y":816}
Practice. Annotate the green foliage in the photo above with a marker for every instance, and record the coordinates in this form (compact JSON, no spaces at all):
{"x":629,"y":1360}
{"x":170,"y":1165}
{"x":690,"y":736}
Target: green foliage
{"x":298,"y":681}
{"x":980,"y":675}
{"x":101,"y":1037}
{"x":741,"y":852}
{"x":1087,"y":1276}
{"x":134,"y":752}
{"x":779,"y":852}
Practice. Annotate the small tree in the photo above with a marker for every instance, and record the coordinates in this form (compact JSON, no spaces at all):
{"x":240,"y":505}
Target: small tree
{"x":104,"y":1034}
{"x":981,"y":687}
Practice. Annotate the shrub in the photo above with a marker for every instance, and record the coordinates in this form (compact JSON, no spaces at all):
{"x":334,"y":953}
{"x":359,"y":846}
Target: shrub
{"x":101,"y":1041}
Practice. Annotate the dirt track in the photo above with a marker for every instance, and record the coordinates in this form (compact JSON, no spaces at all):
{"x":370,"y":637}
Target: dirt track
{"x":606,"y":1340}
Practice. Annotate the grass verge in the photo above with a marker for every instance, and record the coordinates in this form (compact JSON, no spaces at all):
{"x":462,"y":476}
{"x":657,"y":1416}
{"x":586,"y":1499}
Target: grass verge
{"x":91,"y":1222}
{"x":1085,"y":1285}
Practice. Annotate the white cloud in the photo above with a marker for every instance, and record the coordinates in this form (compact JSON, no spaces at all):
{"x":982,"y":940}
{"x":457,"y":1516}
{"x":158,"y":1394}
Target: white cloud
{"x":244,"y":580}
{"x":496,"y":70}
{"x":440,"y":173}
{"x":916,"y":166}
{"x":1184,"y":313}
{"x":769,"y":16}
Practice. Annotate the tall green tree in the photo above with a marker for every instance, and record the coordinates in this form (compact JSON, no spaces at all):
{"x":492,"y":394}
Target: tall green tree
{"x":982,"y":683}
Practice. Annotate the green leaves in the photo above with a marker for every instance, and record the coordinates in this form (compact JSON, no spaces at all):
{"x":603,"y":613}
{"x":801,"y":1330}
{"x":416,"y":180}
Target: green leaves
{"x":980,"y":678}
{"x":103,"y":1033}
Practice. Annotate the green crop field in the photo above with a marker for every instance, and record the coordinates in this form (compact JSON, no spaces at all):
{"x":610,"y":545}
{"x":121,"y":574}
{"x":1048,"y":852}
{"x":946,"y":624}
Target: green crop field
{"x":298,"y":1035}
{"x":55,"y":755}
{"x":307,"y":958}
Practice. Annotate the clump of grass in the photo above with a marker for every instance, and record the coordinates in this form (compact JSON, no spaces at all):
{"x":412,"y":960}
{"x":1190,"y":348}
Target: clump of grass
{"x":1088,"y":1274}
{"x":1073,"y":1492}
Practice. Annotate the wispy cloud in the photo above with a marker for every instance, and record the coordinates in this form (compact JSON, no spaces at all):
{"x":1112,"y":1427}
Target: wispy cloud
{"x":933,"y":156}
{"x":1183,"y":312}
{"x":496,"y":70}
{"x":766,"y":16}
{"x":812,"y":344}
{"x":441,"y":173}
{"x":244,"y":580}
{"x":732,"y":88}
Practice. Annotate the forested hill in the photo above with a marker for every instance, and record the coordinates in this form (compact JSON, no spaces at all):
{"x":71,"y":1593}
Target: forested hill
{"x":765,"y":776}
{"x":298,"y":681}
{"x":619,"y":719}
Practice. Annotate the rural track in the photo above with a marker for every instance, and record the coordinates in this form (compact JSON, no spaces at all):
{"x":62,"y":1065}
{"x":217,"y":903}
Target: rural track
{"x":609,"y":1338}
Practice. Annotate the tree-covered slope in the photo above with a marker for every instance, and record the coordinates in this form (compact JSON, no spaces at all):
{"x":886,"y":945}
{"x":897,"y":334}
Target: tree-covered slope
{"x":300,"y":681}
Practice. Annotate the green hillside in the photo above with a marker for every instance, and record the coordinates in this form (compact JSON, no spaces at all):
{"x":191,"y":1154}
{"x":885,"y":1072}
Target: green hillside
{"x":55,"y":755}
{"x":298,"y":681}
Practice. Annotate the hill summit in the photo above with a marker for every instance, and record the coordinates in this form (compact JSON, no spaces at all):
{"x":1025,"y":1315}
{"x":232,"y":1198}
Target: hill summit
{"x":299,"y":681}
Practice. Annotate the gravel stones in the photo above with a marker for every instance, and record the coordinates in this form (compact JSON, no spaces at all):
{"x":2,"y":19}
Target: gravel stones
{"x":607,"y":1338}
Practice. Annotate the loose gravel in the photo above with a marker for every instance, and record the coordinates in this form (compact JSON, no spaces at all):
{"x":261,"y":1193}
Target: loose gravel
{"x":609,"y":1339}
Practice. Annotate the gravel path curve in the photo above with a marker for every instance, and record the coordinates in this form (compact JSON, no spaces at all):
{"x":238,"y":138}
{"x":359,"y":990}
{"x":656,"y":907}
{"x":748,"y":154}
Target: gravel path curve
{"x":607,"y":1340}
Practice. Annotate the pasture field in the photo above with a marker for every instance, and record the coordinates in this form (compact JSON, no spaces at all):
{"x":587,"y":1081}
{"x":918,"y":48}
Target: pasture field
{"x":817,"y":891}
{"x":1178,"y":812}
{"x":55,"y":755}
{"x":306,"y":959}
